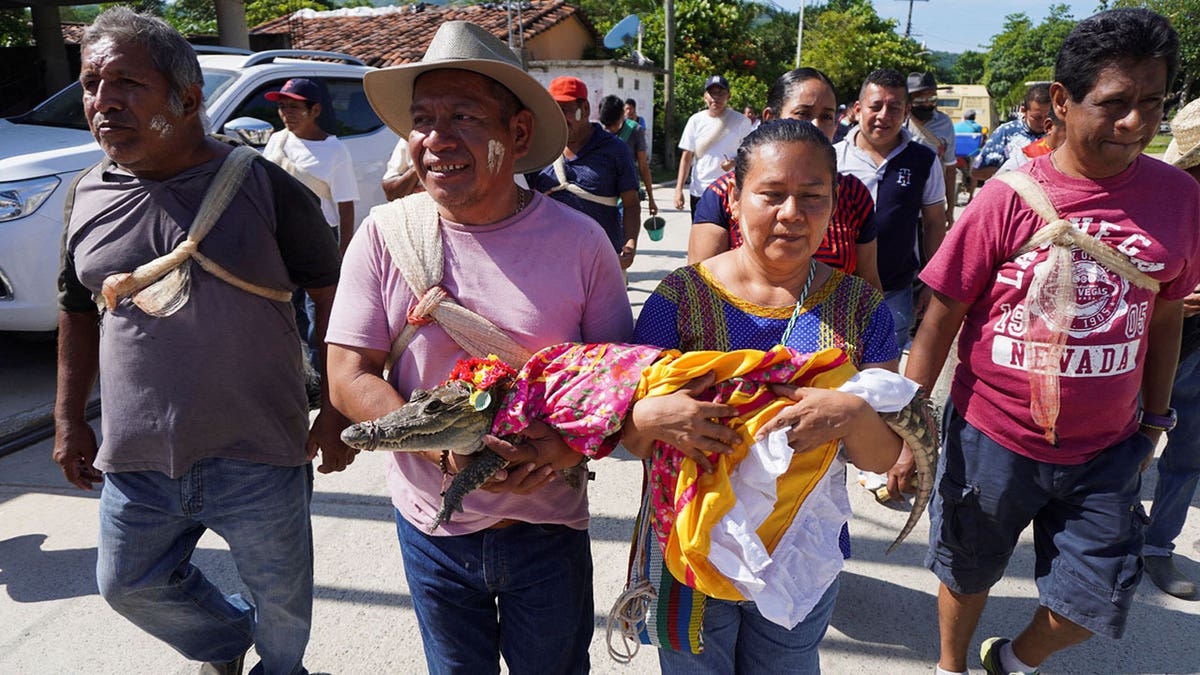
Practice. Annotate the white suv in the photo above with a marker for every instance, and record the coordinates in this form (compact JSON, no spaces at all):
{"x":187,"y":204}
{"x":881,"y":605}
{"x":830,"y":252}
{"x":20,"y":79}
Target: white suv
{"x":43,"y":150}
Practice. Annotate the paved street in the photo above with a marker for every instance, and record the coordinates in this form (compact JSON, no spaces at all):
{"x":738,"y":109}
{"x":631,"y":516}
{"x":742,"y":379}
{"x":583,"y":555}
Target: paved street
{"x":52,"y":620}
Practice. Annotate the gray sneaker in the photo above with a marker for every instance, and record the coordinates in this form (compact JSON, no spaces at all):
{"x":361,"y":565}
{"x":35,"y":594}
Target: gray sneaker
{"x":1166,"y":575}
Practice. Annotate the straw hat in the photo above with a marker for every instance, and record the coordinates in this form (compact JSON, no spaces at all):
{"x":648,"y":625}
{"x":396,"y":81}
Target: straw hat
{"x":462,"y":45}
{"x":1184,"y":150}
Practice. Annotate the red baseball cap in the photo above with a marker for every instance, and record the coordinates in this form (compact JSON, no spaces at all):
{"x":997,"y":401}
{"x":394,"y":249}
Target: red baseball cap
{"x":299,"y":89}
{"x":567,"y":89}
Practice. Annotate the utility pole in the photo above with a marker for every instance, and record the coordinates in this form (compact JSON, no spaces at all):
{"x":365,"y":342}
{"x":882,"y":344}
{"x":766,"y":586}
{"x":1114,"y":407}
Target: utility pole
{"x":669,"y":83}
{"x":799,"y":34}
{"x":908,"y":28}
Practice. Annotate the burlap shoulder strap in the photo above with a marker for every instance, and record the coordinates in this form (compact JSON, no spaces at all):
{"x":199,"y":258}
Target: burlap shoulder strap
{"x":161,"y":286}
{"x":560,"y":172}
{"x":714,"y":134}
{"x":1051,"y":301}
{"x":411,"y":229}
{"x":924,"y":136}
{"x":1059,"y":231}
{"x":278,"y":156}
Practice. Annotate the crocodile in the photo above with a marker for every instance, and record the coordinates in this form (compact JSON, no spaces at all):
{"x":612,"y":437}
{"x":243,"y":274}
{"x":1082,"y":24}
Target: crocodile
{"x":916,"y":425}
{"x":456,"y":415}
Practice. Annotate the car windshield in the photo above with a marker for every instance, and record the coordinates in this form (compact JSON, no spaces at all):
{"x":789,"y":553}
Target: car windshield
{"x":65,"y":109}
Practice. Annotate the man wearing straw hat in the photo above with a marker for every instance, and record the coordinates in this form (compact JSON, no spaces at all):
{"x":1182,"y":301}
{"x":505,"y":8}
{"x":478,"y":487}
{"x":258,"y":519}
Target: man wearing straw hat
{"x":195,"y":248}
{"x":1068,"y":278}
{"x":476,"y":265}
{"x":1179,"y":465}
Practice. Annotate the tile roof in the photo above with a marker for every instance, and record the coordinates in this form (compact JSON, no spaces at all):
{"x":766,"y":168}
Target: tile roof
{"x":387,"y":36}
{"x":72,"y":32}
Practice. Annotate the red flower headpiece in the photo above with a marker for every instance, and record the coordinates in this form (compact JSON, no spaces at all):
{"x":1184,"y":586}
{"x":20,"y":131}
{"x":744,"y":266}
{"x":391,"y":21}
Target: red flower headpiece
{"x":482,"y":373}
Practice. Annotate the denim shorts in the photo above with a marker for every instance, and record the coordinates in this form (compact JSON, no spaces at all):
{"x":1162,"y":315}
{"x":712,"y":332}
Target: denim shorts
{"x":1087,"y":520}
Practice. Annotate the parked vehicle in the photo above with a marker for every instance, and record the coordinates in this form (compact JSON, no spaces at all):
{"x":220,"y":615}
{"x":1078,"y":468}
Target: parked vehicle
{"x":956,"y":99}
{"x":43,"y":150}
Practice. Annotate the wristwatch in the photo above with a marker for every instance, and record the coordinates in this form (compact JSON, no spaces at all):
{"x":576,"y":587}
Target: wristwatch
{"x":1163,"y":423}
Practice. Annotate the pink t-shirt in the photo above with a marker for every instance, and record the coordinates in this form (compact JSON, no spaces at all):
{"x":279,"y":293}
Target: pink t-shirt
{"x":1150,"y":212}
{"x":545,"y":276}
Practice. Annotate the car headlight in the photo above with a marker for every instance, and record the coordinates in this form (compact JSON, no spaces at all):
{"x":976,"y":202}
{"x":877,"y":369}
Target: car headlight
{"x":22,"y":197}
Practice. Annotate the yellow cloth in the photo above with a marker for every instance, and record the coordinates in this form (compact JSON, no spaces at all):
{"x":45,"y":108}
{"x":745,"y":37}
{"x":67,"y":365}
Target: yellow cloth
{"x":700,"y":499}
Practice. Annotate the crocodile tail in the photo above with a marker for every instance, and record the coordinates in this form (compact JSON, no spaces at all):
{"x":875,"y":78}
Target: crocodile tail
{"x":917,"y":425}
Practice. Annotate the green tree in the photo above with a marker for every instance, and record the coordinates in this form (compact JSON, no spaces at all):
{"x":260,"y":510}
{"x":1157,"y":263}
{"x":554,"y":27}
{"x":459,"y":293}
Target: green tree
{"x":752,"y":43}
{"x":1020,"y":49}
{"x":199,"y":17}
{"x":15,"y":30}
{"x":968,"y":69}
{"x":1185,"y":18}
{"x":847,"y":40}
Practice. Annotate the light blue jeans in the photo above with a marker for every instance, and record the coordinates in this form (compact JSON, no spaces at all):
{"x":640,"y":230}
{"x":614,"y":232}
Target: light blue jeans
{"x":149,"y":526}
{"x":522,"y":591}
{"x":1179,"y":466}
{"x":737,"y":639}
{"x":900,"y":303}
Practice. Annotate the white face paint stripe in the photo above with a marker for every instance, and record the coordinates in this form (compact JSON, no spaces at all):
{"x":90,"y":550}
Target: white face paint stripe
{"x":495,"y":155}
{"x":578,"y":114}
{"x":160,"y":124}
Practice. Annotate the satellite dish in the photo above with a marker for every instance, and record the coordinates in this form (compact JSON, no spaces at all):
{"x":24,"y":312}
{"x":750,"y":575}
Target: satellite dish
{"x":623,"y":33}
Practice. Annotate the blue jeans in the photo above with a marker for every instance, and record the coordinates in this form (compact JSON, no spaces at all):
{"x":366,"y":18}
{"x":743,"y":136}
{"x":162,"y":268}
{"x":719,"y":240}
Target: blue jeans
{"x":737,"y":639}
{"x":523,"y":592}
{"x":149,"y":526}
{"x":900,"y":303}
{"x":1179,"y":466}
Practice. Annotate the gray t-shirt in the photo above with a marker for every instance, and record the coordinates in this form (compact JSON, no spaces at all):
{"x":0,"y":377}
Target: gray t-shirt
{"x":222,"y":376}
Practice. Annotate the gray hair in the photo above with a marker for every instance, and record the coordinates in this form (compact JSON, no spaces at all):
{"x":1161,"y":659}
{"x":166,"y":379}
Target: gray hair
{"x":169,"y":51}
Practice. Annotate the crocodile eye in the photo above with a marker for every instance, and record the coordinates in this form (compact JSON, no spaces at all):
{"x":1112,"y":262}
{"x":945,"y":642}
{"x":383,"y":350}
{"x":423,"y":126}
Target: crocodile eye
{"x":434,"y":405}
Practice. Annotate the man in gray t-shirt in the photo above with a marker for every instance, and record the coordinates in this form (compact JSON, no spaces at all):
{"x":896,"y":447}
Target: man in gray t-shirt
{"x":205,"y":417}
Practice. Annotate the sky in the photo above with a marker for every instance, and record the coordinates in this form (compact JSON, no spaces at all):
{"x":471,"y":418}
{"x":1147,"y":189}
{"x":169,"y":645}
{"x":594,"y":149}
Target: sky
{"x":959,"y":25}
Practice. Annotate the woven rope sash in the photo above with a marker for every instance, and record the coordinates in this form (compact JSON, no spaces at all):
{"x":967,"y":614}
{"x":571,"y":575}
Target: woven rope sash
{"x":278,"y":156}
{"x":162,"y":286}
{"x":1051,"y":301}
{"x":560,"y":172}
{"x":412,"y":230}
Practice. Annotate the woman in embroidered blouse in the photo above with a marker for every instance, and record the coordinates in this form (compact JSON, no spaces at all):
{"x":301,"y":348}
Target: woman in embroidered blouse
{"x":769,"y":291}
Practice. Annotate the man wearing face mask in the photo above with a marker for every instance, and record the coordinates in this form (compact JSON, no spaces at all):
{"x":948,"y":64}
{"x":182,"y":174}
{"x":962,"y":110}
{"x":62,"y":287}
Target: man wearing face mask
{"x":595,"y":172}
{"x":933,"y":128}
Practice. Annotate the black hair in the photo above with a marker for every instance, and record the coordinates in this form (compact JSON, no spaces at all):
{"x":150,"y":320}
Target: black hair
{"x":779,"y":91}
{"x":783,"y":131}
{"x":885,"y":77}
{"x":1038,"y":93}
{"x":327,"y":120}
{"x":1114,"y":35}
{"x":612,"y":109}
{"x":631,"y":102}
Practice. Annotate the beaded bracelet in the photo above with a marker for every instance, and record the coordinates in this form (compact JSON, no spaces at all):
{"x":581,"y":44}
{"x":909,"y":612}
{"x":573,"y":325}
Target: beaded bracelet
{"x":444,"y":463}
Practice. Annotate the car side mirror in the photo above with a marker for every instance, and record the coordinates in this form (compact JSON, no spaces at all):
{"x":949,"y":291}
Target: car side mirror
{"x":251,"y":131}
